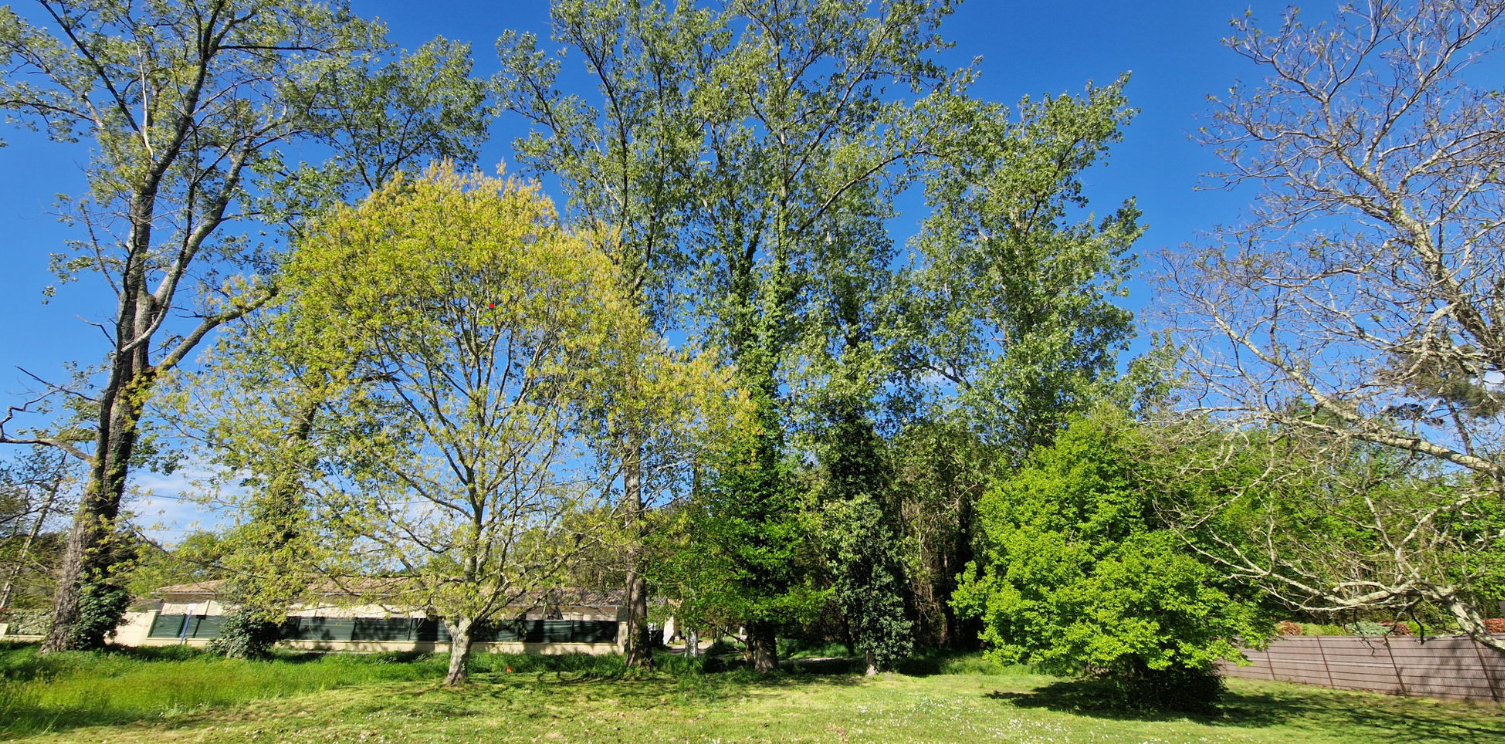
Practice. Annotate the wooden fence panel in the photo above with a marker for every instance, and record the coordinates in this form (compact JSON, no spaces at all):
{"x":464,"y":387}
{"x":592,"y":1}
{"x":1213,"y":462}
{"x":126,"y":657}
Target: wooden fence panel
{"x":1448,"y":667}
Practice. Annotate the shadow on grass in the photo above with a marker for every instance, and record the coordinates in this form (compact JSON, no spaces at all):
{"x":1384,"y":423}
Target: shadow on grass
{"x":549,"y":686}
{"x":940,"y":661}
{"x":1380,"y":718}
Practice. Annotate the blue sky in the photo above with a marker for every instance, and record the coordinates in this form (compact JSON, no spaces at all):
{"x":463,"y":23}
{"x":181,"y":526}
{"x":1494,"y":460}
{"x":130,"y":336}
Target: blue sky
{"x":1171,"y":46}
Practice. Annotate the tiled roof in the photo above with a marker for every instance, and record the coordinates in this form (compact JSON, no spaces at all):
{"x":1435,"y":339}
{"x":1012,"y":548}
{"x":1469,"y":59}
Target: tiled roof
{"x":208,"y":588}
{"x":563,"y":597}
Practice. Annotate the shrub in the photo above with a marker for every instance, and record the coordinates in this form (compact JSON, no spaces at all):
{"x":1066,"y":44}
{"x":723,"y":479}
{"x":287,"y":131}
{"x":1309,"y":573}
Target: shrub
{"x":27,"y":622}
{"x":101,"y":607}
{"x":1367,"y":628}
{"x":1078,"y":576}
{"x":1495,"y":624}
{"x":1288,"y":628}
{"x":246,"y":634}
{"x":1316,"y":629}
{"x":722,"y":647}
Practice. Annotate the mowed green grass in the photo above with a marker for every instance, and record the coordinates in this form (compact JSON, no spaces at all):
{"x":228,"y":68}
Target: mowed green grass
{"x":180,"y":696}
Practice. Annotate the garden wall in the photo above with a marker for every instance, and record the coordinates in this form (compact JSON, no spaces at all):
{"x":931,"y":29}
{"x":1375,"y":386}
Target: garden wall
{"x":368,"y":634}
{"x":1442,"y":666}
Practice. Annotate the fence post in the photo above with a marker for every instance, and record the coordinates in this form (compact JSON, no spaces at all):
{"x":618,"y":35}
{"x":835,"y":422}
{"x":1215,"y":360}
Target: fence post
{"x":1489,"y":679}
{"x":1325,"y":668}
{"x":1398,"y":679}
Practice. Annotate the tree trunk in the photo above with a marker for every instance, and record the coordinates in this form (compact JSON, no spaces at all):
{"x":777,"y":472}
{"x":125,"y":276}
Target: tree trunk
{"x":89,"y":557}
{"x":459,"y":652}
{"x":872,"y":663}
{"x":1469,"y":620}
{"x":762,"y":640}
{"x":638,"y":646}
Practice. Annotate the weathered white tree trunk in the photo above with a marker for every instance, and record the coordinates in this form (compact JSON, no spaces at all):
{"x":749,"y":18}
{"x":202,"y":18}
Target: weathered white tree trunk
{"x":1469,"y":620}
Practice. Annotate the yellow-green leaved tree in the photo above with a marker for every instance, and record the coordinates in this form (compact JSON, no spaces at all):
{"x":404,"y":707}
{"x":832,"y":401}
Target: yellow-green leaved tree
{"x":490,"y":360}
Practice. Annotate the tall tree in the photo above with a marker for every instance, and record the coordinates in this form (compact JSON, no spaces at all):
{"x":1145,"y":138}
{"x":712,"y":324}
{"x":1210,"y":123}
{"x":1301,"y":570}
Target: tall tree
{"x":624,"y":165}
{"x":1363,"y":296}
{"x":730,"y":143}
{"x":486,"y":341}
{"x":846,"y":378}
{"x":1013,"y":312}
{"x":862,"y":539}
{"x":188,"y":103}
{"x":805,"y":130}
{"x":1327,"y":524}
{"x":1008,"y":325}
{"x":254,"y":407}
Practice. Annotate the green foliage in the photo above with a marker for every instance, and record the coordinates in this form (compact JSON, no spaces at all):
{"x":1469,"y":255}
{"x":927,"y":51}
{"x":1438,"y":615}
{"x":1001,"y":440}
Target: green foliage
{"x":101,"y":607}
{"x":37,"y":489}
{"x":247,"y":632}
{"x":869,"y":586}
{"x":192,"y":111}
{"x":745,"y":530}
{"x":104,"y":595}
{"x":1079,"y":576}
{"x":627,"y":161}
{"x":197,"y":557}
{"x":940,"y":469}
{"x":1322,"y":629}
{"x":747,"y":196}
{"x":1015,"y":302}
{"x":475,"y":356}
{"x":1367,"y":628}
{"x":860,"y":541}
{"x":474,"y":338}
{"x":27,"y":622}
{"x":1323,"y":521}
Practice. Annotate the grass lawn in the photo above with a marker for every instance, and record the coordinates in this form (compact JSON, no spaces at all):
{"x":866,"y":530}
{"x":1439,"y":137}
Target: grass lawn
{"x":176,"y":695}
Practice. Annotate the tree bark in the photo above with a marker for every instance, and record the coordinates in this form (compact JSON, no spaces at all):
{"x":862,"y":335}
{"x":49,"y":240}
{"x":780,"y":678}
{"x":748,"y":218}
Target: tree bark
{"x":638,"y":646}
{"x":1472,"y":623}
{"x":762,"y":640}
{"x":88,"y":557}
{"x":871,"y":660}
{"x":459,"y":652}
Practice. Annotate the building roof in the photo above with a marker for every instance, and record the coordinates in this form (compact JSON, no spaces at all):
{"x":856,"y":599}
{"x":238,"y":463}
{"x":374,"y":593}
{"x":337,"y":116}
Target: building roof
{"x":566,"y":597}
